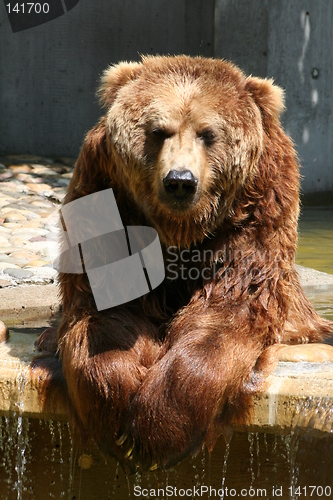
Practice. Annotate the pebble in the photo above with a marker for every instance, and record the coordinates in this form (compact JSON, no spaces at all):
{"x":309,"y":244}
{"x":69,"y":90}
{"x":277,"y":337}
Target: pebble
{"x":31,"y":190}
{"x":5,"y":200}
{"x":19,"y":169}
{"x":24,"y":255}
{"x":18,"y":273}
{"x":27,"y":234}
{"x":4,"y":283}
{"x":8,"y":265}
{"x":14,"y":216}
{"x":42,"y":204}
{"x":38,"y":263}
{"x":40,"y":188}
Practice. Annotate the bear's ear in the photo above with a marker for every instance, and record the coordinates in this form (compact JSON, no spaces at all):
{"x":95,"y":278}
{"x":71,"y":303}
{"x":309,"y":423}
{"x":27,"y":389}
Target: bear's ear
{"x":116,"y":77}
{"x":268,"y":97}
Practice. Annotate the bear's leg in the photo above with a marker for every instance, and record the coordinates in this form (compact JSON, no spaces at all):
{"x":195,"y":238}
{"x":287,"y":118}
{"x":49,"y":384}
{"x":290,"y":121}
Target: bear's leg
{"x":105,"y":357}
{"x":200,"y":379}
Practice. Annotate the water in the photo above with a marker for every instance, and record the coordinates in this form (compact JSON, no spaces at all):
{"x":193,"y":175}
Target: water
{"x":315,"y":250}
{"x":32,"y":465}
{"x":315,"y":244}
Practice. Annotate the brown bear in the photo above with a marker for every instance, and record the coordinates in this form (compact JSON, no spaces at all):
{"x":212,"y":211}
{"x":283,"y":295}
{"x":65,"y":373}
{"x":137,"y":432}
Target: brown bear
{"x":193,"y":148}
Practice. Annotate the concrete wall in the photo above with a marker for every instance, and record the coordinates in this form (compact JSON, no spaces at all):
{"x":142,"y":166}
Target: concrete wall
{"x":291,"y":41}
{"x":49,"y":74}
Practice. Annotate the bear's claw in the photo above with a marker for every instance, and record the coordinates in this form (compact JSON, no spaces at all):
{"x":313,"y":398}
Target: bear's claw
{"x":121,"y":440}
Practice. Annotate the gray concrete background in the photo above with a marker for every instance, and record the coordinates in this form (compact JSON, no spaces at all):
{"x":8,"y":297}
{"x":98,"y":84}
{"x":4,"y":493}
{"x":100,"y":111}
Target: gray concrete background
{"x":49,"y":74}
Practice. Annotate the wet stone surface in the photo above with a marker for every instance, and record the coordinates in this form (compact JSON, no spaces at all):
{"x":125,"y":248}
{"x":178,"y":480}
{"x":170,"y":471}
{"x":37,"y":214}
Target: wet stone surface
{"x":31,"y":189}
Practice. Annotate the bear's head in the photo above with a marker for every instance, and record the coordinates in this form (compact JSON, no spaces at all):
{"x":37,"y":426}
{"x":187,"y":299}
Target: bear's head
{"x":186,"y":135}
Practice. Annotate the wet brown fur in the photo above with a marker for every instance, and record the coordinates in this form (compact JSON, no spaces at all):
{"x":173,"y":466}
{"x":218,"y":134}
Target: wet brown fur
{"x":152,"y":380}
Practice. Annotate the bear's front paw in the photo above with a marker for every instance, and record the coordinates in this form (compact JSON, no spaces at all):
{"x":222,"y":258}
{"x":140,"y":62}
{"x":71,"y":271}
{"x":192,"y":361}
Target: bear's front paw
{"x":47,"y":341}
{"x":159,"y":434}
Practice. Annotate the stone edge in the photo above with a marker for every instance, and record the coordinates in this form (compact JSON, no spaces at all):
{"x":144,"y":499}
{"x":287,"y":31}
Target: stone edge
{"x":22,"y":303}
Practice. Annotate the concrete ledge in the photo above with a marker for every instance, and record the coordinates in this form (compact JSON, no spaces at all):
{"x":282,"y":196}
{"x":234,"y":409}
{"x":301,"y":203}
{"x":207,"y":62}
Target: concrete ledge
{"x":313,"y":281}
{"x":290,"y":388}
{"x":295,"y":394}
{"x":20,"y":393}
{"x":26,"y":303}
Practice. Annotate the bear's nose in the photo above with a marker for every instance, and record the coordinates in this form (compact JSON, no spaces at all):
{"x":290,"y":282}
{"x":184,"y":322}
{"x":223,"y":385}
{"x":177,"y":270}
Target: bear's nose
{"x":180,"y":184}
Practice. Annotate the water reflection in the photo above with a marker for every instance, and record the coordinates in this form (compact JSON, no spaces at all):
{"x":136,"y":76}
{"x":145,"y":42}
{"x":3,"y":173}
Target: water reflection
{"x":315,"y":244}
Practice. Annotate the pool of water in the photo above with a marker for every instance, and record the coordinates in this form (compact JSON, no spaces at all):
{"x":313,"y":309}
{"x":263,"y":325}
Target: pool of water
{"x":315,"y":244}
{"x":315,"y":250}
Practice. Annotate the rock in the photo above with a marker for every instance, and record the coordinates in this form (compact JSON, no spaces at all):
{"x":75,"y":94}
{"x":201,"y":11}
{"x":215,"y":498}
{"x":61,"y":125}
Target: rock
{"x":68,"y":175}
{"x":26,"y":235}
{"x":37,"y":180}
{"x":43,"y":204}
{"x":36,"y":246}
{"x":59,"y":194}
{"x":5,"y":200}
{"x":6,"y":175}
{"x":4,"y":332}
{"x":24,"y":177}
{"x":14,"y":216}
{"x":45,"y":272}
{"x":33,"y":224}
{"x":41,"y":188}
{"x":30,"y":215}
{"x":20,"y":169}
{"x":12,"y":192}
{"x":63,"y":182}
{"x":4,"y":283}
{"x":10,"y":225}
{"x":18,"y":273}
{"x":24,"y":255}
{"x":12,"y":207}
{"x":85,"y":461}
{"x":37,"y":263}
{"x":43,"y":170}
{"x":8,"y":265}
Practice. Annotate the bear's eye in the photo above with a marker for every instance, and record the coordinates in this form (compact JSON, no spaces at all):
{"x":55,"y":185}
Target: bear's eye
{"x":208,"y":136}
{"x":161,"y":134}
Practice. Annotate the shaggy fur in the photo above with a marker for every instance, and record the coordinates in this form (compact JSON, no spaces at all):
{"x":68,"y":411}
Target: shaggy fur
{"x":152,"y":380}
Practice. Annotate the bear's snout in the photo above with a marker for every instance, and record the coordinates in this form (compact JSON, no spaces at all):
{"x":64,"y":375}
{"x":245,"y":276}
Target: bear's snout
{"x":180,"y":185}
